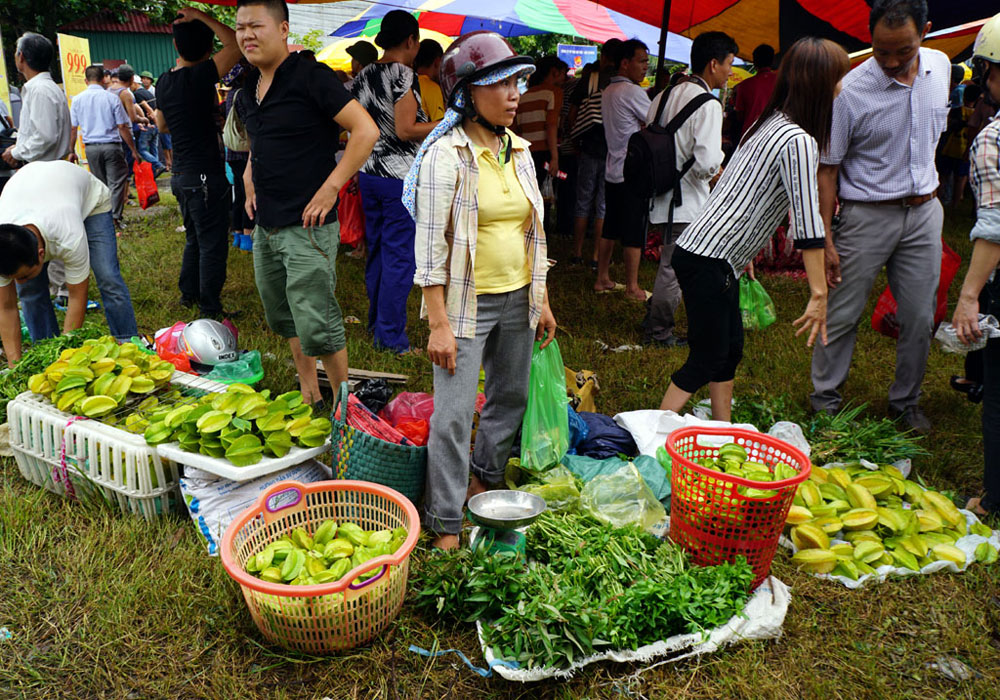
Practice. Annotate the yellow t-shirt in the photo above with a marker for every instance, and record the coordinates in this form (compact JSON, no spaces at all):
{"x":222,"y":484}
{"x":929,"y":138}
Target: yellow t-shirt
{"x":433,"y":100}
{"x":501,"y":259}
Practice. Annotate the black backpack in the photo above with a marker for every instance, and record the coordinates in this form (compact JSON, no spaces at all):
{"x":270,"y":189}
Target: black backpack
{"x":651,"y":158}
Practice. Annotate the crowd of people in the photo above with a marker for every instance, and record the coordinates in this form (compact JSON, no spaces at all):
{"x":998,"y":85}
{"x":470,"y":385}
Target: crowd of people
{"x":462,"y":156}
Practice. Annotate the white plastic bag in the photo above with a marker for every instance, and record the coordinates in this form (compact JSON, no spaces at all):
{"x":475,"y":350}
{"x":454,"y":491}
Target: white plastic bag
{"x":762,"y":618}
{"x":950,"y":343}
{"x":214,"y":502}
{"x":650,"y":428}
{"x":792,"y":434}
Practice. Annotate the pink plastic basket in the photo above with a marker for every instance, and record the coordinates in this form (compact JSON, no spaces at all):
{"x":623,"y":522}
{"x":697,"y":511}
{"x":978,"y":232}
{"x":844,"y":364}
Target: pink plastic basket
{"x":327,"y":617}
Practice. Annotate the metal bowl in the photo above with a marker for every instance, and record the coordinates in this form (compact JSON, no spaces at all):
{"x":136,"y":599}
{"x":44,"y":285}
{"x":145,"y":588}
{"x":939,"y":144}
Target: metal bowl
{"x":506,"y":510}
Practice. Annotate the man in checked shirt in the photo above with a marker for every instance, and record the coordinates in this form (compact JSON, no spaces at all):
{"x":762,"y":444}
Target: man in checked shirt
{"x":886,"y":125}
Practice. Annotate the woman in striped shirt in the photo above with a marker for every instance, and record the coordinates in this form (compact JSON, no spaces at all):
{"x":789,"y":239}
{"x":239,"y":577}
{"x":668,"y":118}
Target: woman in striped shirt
{"x":774,"y":170}
{"x":538,"y":113}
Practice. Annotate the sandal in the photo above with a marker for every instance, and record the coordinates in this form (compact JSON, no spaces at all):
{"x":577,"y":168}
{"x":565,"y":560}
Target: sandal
{"x":973,"y":391}
{"x":619,"y":287}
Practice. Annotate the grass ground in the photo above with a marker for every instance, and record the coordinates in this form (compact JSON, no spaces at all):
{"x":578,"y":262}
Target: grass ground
{"x":100,"y":605}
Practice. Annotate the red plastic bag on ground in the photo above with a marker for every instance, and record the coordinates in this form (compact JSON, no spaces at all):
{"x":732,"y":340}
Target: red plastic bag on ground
{"x":145,"y":184}
{"x":884,"y":316}
{"x":167,"y":346}
{"x":350,"y":214}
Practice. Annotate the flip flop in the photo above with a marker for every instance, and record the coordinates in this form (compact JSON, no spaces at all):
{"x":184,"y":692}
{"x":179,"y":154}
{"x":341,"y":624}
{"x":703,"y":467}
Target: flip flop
{"x":649,"y":295}
{"x":619,"y":287}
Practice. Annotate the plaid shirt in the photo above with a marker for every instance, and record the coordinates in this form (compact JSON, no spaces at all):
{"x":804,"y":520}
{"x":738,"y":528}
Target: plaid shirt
{"x":985,"y":178}
{"x":447,"y":216}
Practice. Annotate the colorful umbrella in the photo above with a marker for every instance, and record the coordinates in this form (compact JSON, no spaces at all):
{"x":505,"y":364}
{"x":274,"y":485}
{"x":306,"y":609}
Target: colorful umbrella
{"x":781,"y":22}
{"x":335,"y":55}
{"x":581,"y":18}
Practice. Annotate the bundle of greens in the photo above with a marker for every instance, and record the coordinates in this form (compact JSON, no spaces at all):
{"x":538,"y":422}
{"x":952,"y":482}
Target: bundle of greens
{"x":588,"y":587}
{"x":39,"y":356}
{"x":849,"y":436}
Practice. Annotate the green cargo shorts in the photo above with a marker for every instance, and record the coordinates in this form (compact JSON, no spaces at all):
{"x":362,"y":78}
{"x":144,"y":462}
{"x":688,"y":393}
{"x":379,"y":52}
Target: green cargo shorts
{"x":296,"y":275}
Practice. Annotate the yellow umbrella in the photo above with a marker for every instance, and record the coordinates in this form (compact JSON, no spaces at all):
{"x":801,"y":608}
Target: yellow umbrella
{"x":738,"y":76}
{"x":335,"y":55}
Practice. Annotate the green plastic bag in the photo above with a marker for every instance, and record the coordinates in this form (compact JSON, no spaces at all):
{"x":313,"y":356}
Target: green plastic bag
{"x":545,"y":430}
{"x":558,"y":487}
{"x":621,"y":499}
{"x":756,"y":306}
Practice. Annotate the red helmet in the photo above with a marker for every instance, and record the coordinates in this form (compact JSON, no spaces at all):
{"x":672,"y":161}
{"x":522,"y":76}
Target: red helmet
{"x":473,"y":56}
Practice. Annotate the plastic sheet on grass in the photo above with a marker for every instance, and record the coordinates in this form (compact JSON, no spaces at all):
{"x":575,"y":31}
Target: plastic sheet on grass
{"x":762,"y":618}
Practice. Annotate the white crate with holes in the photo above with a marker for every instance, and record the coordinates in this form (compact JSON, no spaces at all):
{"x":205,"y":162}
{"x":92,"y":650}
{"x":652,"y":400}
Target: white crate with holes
{"x":63,"y":453}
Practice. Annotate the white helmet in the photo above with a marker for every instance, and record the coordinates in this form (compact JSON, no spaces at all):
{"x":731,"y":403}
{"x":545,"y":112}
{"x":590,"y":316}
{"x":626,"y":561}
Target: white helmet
{"x":208,"y":342}
{"x":987,"y":46}
{"x":985,"y":51}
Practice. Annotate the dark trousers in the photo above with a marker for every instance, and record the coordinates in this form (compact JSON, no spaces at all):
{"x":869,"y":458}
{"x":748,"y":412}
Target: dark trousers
{"x":715,"y":326}
{"x":204,"y":201}
{"x":566,"y":195}
{"x":239,"y":219}
{"x":991,"y":407}
{"x":389,"y":234}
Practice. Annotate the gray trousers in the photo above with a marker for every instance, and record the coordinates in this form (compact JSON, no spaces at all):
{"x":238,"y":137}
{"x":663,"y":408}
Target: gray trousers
{"x":659,"y":321}
{"x":107,"y":163}
{"x":907,"y":241}
{"x":503,"y":346}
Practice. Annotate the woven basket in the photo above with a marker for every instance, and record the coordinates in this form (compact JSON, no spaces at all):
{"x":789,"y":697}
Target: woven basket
{"x":363,"y":457}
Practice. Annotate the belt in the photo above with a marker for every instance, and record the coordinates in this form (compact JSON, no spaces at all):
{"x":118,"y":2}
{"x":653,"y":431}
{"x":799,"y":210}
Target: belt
{"x":905,"y":202}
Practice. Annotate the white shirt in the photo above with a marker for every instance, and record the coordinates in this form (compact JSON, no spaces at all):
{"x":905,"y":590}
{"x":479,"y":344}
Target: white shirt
{"x":885,"y":133}
{"x":624,"y":106}
{"x":56,"y":196}
{"x":44,"y":128}
{"x":774,"y":170}
{"x":699,"y":136}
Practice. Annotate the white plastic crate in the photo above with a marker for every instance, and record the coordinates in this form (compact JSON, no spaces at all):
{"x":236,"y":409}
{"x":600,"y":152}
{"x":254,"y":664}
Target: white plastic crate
{"x":101,"y":460}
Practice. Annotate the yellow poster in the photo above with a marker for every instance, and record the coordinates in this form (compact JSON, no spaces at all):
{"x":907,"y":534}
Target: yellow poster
{"x":74,"y":57}
{"x":4,"y":87}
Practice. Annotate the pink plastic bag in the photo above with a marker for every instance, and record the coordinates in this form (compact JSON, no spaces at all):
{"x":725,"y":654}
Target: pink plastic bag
{"x":409,"y":407}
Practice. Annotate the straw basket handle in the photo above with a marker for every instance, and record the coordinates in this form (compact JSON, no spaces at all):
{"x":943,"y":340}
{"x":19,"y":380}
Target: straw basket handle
{"x":341,"y":400}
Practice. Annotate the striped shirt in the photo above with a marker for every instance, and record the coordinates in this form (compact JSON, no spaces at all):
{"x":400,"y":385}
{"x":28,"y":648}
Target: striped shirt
{"x":378,"y":87}
{"x":885,"y":133}
{"x":447,"y":216}
{"x":774,"y":170}
{"x":533,"y":114}
{"x":984,"y":175}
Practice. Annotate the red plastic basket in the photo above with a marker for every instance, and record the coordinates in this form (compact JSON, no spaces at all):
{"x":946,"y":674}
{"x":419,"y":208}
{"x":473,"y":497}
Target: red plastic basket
{"x":709,"y":517}
{"x":326,"y":617}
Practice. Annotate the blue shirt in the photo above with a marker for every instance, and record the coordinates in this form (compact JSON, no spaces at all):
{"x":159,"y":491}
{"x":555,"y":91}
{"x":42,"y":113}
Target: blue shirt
{"x":98,"y":113}
{"x":884,"y":132}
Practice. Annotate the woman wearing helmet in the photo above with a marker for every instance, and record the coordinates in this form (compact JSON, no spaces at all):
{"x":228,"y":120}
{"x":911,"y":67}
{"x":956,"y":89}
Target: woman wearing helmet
{"x":983,"y":275}
{"x":481,"y":263}
{"x":389,"y":90}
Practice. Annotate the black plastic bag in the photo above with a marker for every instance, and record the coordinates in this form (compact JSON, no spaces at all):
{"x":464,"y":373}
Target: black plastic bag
{"x":373,"y":393}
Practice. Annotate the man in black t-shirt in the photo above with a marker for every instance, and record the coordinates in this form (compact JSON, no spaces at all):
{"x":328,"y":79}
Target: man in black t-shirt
{"x":293,"y":109}
{"x":187,"y":105}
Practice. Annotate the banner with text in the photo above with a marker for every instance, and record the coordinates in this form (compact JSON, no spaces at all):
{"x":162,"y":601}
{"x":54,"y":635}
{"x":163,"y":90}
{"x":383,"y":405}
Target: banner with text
{"x":576,"y":56}
{"x":4,"y":86}
{"x":74,"y":57}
